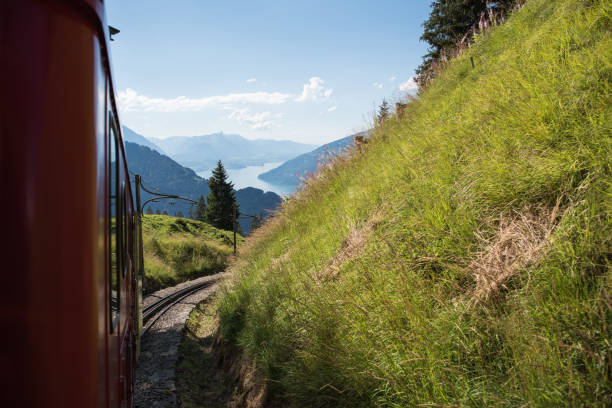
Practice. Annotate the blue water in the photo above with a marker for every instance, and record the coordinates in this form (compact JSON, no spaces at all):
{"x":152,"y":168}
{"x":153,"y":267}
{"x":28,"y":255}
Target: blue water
{"x":247,"y":177}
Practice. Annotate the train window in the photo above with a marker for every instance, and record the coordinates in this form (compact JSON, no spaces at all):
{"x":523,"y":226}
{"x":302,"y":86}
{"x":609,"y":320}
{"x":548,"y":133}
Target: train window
{"x":124,"y":230}
{"x":115,"y":222}
{"x":133,"y":242}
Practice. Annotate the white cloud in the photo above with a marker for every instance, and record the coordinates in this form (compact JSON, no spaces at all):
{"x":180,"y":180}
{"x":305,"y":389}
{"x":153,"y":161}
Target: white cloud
{"x":314,"y":90}
{"x":393,"y":78}
{"x":333,"y":108}
{"x":250,"y":80}
{"x":409,"y":86}
{"x":377,"y":85}
{"x":130,"y":100}
{"x":257,"y":121}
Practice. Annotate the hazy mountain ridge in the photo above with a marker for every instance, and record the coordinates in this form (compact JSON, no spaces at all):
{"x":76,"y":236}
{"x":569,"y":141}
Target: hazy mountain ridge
{"x":161,"y":173}
{"x":201,"y":153}
{"x":130,"y":136}
{"x":289,"y":173}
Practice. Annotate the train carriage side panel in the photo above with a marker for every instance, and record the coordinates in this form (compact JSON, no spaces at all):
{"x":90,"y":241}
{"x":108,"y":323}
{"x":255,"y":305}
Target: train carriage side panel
{"x":62,"y":350}
{"x":49,"y":171}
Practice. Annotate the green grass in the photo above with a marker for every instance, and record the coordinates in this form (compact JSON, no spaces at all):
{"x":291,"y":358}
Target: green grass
{"x":180,"y":249}
{"x":363,"y":291}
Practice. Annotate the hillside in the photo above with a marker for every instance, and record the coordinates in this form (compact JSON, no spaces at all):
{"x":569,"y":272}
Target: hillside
{"x":178,"y":249}
{"x":253,"y":201}
{"x":462,"y":256}
{"x":289,"y":173}
{"x":130,"y":136}
{"x":201,"y":153}
{"x":161,"y":173}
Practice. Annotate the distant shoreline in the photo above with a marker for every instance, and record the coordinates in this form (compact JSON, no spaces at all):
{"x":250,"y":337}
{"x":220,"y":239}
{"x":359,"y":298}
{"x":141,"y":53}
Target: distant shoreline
{"x":247,"y":176}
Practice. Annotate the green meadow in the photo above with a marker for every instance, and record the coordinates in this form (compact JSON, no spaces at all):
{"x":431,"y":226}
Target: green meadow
{"x":180,"y":249}
{"x":460,"y":257}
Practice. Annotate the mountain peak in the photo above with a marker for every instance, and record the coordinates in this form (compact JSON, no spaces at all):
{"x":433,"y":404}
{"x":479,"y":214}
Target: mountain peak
{"x":130,"y":136}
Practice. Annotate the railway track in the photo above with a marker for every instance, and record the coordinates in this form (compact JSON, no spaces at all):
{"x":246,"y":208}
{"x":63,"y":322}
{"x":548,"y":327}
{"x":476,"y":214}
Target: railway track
{"x":154,"y":311}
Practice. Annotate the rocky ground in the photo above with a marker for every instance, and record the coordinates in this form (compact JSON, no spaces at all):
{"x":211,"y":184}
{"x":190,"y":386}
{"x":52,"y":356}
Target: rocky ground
{"x":155,"y":370}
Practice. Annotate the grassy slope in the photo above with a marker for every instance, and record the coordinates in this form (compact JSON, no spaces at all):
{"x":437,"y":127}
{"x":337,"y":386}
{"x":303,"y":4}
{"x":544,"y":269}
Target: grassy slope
{"x":362,"y":292}
{"x":179,"y":249}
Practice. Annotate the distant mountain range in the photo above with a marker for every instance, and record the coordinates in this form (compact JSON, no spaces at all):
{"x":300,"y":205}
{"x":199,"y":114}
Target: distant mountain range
{"x":130,"y":136}
{"x":162,"y":174}
{"x":201,"y":153}
{"x":289,"y":173}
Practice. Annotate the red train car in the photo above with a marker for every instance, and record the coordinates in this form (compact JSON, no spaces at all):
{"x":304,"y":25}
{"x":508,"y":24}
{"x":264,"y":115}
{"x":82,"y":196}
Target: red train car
{"x":70,"y":255}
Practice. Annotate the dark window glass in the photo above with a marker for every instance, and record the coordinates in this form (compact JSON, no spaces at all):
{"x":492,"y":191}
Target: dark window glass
{"x":115,"y":223}
{"x":124,"y":229}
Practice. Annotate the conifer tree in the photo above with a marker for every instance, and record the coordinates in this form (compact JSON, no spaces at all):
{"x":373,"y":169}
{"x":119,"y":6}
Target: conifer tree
{"x":383,"y":112}
{"x":157,"y":212}
{"x":200,"y":210}
{"x":149,"y":210}
{"x":221,"y":200}
{"x":449,"y":21}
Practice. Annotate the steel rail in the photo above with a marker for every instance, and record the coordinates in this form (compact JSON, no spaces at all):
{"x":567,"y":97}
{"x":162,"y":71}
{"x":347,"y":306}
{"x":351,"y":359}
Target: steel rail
{"x":157,"y":309}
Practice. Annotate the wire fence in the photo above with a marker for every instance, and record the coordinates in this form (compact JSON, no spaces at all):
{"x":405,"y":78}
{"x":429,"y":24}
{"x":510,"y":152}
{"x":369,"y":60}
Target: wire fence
{"x":157,"y":196}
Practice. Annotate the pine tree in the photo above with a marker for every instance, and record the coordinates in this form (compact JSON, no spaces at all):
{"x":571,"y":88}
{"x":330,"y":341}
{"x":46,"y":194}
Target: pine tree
{"x":200,"y":210}
{"x":383,"y":112}
{"x":149,"y":210}
{"x":221,"y":200}
{"x":449,"y":21}
{"x":157,"y":212}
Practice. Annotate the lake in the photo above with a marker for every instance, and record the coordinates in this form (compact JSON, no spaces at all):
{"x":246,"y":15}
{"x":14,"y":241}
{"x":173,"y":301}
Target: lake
{"x":247,"y":177}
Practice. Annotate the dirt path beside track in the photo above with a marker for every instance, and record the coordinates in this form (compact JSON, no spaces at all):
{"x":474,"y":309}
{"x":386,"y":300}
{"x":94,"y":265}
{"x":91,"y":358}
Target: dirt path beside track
{"x":155,"y":370}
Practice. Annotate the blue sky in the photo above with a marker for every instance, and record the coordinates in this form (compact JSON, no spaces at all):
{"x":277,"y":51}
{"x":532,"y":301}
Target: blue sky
{"x":308,"y":71}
